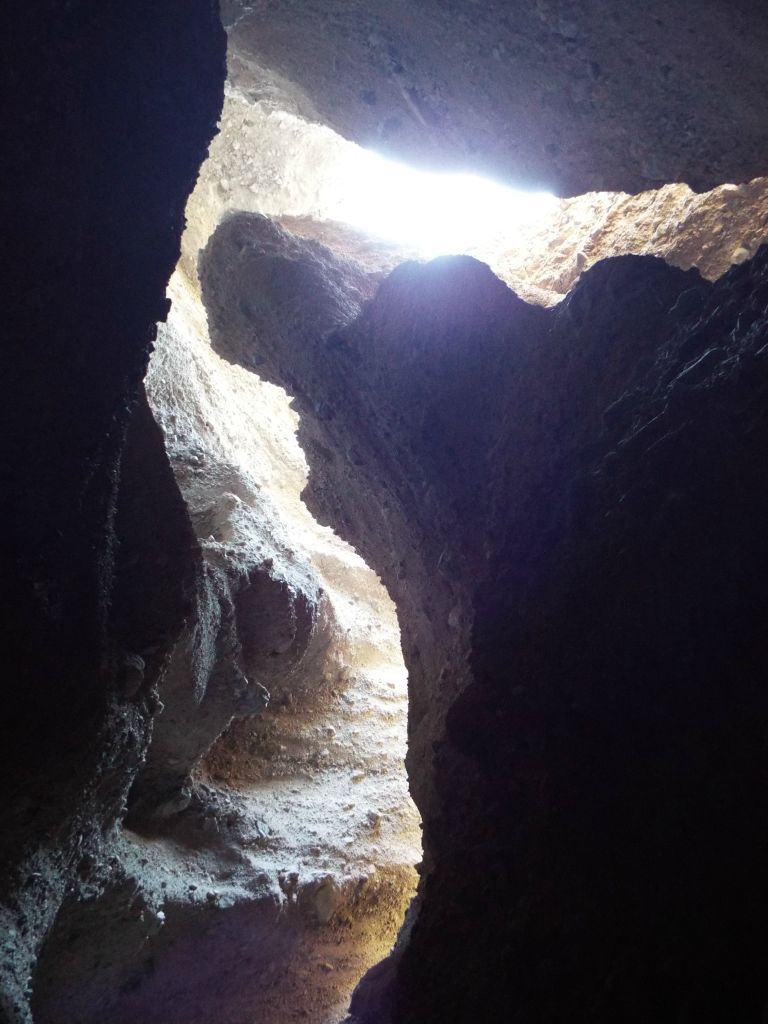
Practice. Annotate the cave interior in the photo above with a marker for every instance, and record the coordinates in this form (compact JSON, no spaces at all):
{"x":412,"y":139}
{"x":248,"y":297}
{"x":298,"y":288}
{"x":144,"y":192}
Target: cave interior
{"x":383,"y":616}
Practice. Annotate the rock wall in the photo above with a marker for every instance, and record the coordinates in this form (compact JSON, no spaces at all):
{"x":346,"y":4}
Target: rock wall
{"x":108,"y":111}
{"x":612,"y":732}
{"x":267,"y":857}
{"x":615,"y":760}
{"x":558,"y":94}
{"x":566,"y":506}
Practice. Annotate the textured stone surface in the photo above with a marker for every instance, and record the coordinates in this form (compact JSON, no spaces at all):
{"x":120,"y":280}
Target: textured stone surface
{"x":305,"y":170}
{"x":710,"y":231}
{"x":563,"y":505}
{"x":614,"y":731}
{"x":568,"y":507}
{"x":570,"y":96}
{"x":303,"y":287}
{"x":107,"y":112}
{"x":270,"y":832}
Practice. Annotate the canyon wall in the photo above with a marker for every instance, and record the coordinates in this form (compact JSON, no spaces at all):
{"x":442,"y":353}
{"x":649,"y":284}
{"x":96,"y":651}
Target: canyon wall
{"x":566,"y":506}
{"x":108,"y":113}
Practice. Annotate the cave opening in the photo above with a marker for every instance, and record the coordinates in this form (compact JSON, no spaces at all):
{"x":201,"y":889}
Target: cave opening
{"x":432,"y":213}
{"x":280,"y":257}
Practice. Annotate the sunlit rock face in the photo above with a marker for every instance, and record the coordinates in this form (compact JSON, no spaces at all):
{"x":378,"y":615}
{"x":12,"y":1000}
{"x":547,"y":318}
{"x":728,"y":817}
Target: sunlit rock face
{"x":268,"y":858}
{"x":570,"y":96}
{"x":562,"y":504}
{"x":322,"y":186}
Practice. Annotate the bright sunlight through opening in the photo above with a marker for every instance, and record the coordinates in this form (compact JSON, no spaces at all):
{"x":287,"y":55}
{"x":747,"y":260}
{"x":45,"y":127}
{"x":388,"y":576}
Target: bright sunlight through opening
{"x":433,"y":212}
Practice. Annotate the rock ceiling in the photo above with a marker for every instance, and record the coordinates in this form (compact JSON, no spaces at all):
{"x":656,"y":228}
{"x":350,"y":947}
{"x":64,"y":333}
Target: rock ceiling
{"x":570,"y":96}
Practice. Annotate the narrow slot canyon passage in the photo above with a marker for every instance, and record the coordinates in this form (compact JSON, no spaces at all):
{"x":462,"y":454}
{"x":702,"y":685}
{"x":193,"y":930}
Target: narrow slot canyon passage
{"x":276,"y":821}
{"x":383,"y":464}
{"x":306,"y":800}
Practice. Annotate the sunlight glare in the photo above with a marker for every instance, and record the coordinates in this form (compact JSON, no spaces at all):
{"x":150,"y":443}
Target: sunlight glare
{"x":435,"y":213}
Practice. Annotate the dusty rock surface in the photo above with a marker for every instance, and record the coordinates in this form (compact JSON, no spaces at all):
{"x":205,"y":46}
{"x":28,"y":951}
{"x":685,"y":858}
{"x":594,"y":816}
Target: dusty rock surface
{"x":568,"y":96}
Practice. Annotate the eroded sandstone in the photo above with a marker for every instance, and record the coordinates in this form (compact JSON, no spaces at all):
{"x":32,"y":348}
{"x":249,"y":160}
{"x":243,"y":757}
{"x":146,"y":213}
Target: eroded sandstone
{"x":107,"y":113}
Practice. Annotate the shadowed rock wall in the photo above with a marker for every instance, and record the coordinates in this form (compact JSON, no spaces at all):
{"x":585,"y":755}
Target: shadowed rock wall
{"x":602,"y":836}
{"x":567,"y":507}
{"x":108,"y":110}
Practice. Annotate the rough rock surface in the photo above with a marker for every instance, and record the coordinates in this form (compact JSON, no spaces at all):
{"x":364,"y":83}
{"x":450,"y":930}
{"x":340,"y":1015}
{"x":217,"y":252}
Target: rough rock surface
{"x":269,"y":852}
{"x":300,"y":286}
{"x":567,"y":507}
{"x":542,"y":261}
{"x":107,"y":113}
{"x":612,"y":745}
{"x":303,"y":170}
{"x":712,"y":232}
{"x":569,"y":95}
